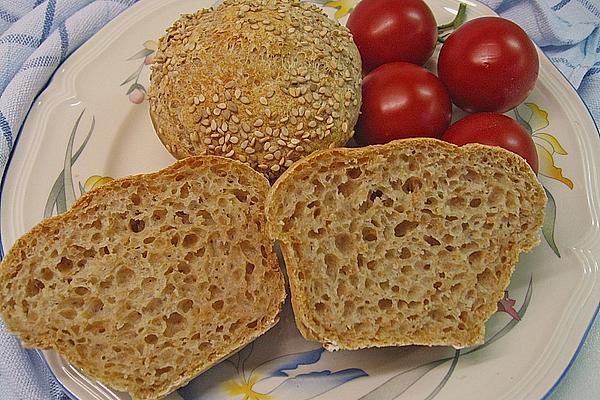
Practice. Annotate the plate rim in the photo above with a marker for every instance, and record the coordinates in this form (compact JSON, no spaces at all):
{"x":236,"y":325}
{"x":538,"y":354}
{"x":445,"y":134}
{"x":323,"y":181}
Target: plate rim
{"x":130,"y":11}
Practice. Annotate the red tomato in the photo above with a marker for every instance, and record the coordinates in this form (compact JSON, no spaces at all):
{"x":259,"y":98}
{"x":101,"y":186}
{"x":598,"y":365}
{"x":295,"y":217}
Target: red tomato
{"x":393,"y":30}
{"x":401,"y":100}
{"x":495,"y":130}
{"x":488,"y":64}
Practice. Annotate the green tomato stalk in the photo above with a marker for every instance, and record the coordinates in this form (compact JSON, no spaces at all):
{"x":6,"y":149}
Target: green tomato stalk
{"x":455,"y":23}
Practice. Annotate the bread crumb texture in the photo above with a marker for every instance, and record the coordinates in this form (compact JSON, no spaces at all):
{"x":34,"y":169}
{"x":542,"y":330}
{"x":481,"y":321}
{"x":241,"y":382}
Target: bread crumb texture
{"x":149,"y":280}
{"x":412,"y":242}
{"x":260,"y":81}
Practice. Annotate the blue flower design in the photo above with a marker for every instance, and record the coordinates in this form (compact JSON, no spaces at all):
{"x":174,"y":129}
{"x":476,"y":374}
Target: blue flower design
{"x":275,"y":379}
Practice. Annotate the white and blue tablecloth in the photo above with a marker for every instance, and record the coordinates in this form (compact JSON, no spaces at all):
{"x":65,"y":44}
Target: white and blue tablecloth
{"x":36,"y":36}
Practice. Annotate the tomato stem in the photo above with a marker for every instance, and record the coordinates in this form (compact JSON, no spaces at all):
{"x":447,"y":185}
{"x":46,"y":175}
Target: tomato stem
{"x":457,"y":21}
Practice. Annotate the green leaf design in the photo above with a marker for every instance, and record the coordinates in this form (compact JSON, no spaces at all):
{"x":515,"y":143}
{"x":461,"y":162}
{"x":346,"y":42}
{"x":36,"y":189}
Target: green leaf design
{"x":57,"y":193}
{"x":136,"y":86}
{"x":549,"y":222}
{"x":68,"y":174}
{"x":400,"y":383}
{"x":141,"y":54}
{"x":446,"y":377}
{"x":522,"y":121}
{"x":130,"y":78}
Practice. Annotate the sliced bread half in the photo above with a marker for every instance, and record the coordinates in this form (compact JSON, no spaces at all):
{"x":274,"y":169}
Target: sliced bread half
{"x":149,"y":280}
{"x":412,"y":242}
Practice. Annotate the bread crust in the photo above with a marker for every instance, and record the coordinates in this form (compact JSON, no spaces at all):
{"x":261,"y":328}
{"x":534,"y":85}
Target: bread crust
{"x":15,"y":267}
{"x":294,"y":184}
{"x":259,"y":81}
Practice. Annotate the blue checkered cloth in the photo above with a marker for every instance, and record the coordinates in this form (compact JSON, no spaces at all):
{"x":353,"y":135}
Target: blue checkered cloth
{"x":36,"y":36}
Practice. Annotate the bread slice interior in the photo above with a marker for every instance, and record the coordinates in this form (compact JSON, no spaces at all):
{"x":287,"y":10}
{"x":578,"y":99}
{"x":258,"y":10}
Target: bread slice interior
{"x":412,"y":242}
{"x":149,"y":280}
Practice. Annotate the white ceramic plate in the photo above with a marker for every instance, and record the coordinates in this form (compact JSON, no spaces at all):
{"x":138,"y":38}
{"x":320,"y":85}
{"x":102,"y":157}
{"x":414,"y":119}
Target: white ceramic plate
{"x":87,"y":126}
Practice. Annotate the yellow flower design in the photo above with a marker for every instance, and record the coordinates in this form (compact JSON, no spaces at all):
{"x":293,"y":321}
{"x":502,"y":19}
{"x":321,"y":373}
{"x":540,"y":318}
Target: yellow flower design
{"x":535,"y":119}
{"x":95,"y":181}
{"x":244,"y":387}
{"x":344,"y":7}
{"x":151,"y":45}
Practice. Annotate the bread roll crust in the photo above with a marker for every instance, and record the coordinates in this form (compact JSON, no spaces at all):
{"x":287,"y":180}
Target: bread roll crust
{"x":259,"y":81}
{"x":412,"y":242}
{"x":149,"y":280}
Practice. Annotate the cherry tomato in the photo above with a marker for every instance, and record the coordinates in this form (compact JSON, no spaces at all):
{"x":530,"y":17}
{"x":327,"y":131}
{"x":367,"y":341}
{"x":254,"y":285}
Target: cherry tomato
{"x":401,"y":100}
{"x":495,"y":130}
{"x":393,"y":30}
{"x":488,"y":64}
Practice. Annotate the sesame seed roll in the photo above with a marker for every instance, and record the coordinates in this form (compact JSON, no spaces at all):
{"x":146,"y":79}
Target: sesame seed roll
{"x":260,"y":81}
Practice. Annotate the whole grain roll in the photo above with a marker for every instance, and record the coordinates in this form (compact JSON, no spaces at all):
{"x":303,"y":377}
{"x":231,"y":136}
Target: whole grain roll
{"x":263,"y":82}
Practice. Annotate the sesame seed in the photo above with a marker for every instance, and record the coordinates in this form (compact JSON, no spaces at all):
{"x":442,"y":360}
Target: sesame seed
{"x":281,"y":161}
{"x":233,"y":139}
{"x":229,"y":85}
{"x":222,"y":106}
{"x":294,"y":141}
{"x":226,"y":114}
{"x":300,"y":126}
{"x":249,"y":150}
{"x":237,"y":93}
{"x":312,"y":124}
{"x":217,"y":111}
{"x":281,"y":142}
{"x":284,"y":119}
{"x":224,"y":127}
{"x":245,"y":100}
{"x":207,"y":141}
{"x":228,"y":95}
{"x":231,"y":153}
{"x":266,"y":146}
{"x":299,"y":149}
{"x":288,"y":163}
{"x":258,"y":123}
{"x":245,"y":8}
{"x":259,"y":134}
{"x":215,"y":98}
{"x":275,"y":168}
{"x":213,"y":125}
{"x":295,"y":112}
{"x":263,"y":166}
{"x":270,"y":93}
{"x":242,"y":158}
{"x":301,"y":111}
{"x":263,"y":101}
{"x":244,"y":144}
{"x":348,"y":95}
{"x":245,"y":127}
